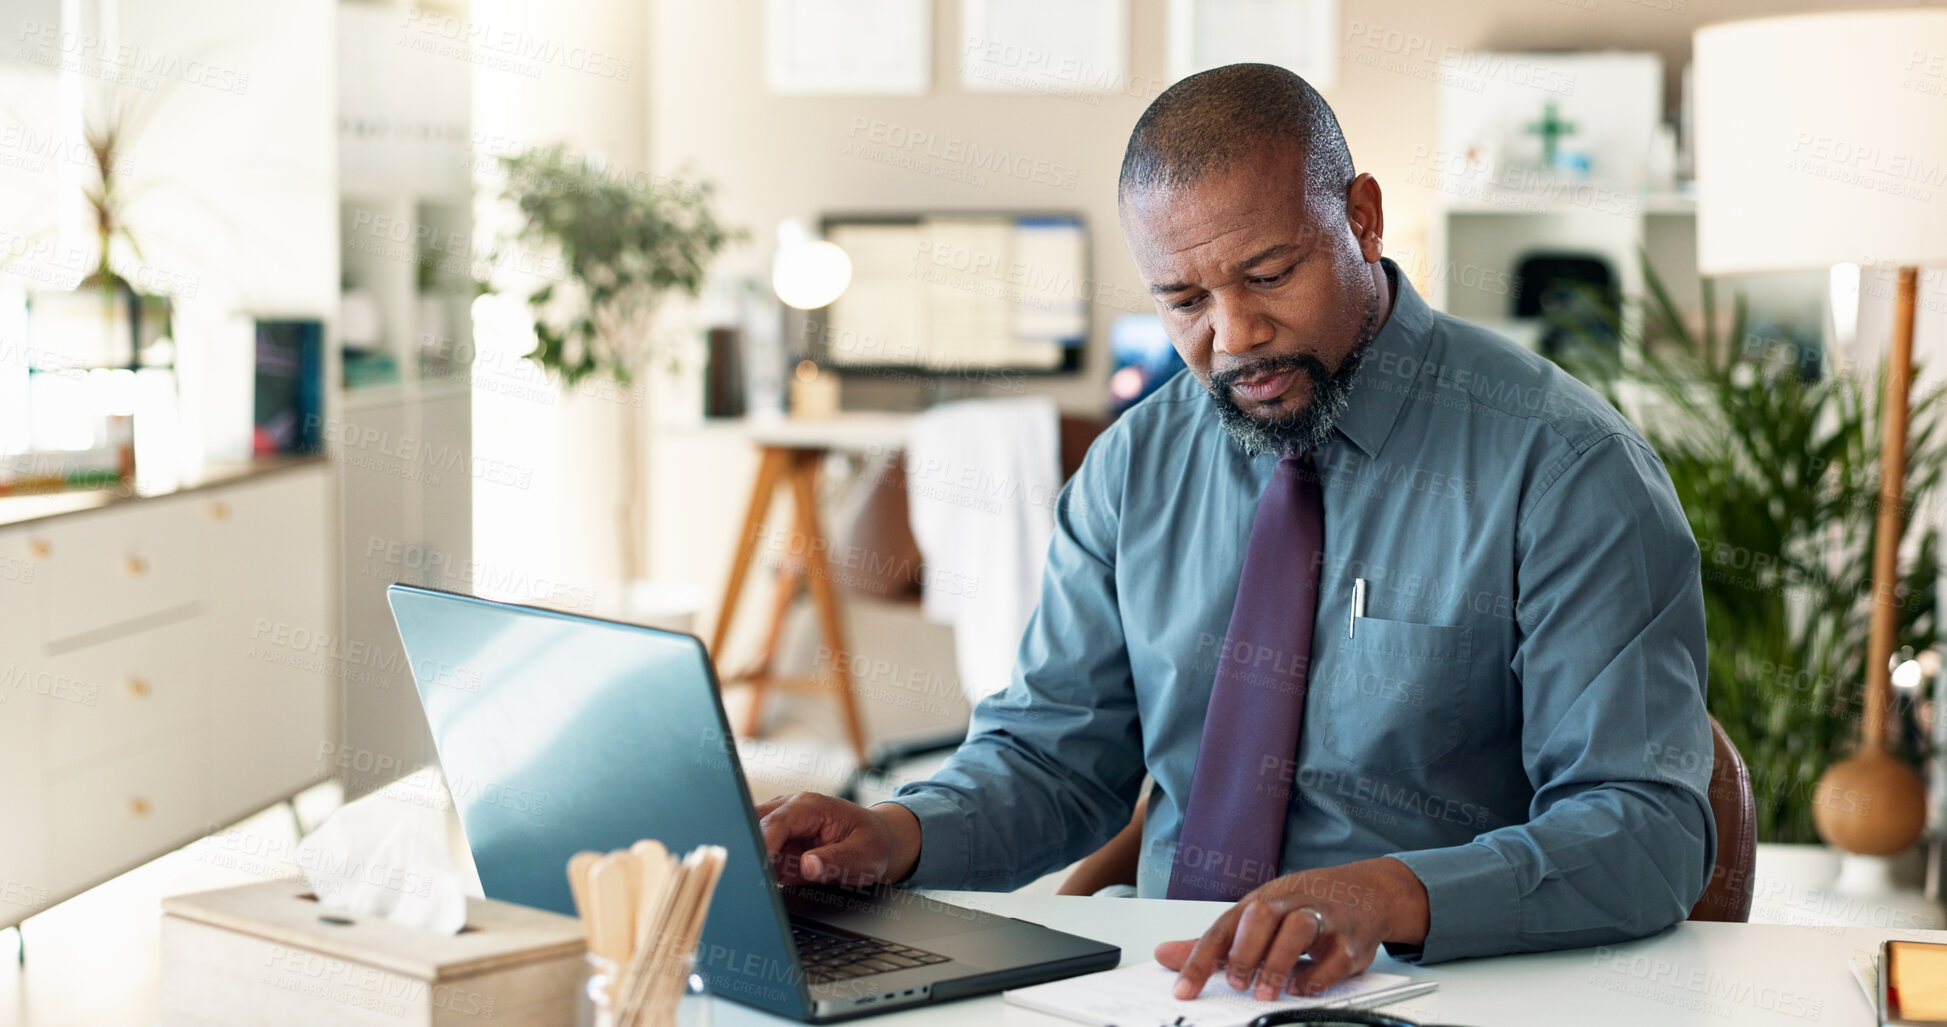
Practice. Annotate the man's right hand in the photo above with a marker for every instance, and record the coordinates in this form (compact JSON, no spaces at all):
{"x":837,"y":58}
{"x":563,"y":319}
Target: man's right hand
{"x":819,"y":839}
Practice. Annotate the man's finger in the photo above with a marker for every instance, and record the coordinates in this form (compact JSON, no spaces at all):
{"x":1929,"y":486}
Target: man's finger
{"x":792,"y":820}
{"x":1334,"y":958}
{"x":1203,"y":958}
{"x":775,"y":823}
{"x":1296,"y":934}
{"x":846,"y":862}
{"x":1254,"y":931}
{"x":1174,"y":954}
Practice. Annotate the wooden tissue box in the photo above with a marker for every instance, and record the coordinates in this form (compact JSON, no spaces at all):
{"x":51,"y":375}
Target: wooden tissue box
{"x":270,"y":954}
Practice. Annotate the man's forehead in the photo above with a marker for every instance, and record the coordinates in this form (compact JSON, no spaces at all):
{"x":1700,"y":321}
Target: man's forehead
{"x":1275,"y":173}
{"x":1215,"y":220}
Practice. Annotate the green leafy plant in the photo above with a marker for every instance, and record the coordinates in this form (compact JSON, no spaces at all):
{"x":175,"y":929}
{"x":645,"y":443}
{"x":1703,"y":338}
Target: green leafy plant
{"x":113,"y":116}
{"x":612,"y":249}
{"x":623,"y":246}
{"x":1779,"y":479}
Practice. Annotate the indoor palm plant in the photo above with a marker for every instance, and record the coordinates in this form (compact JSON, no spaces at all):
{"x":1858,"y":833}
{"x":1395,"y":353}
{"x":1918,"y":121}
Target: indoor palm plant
{"x":1777,"y":473}
{"x":112,"y":118}
{"x":624,"y":244}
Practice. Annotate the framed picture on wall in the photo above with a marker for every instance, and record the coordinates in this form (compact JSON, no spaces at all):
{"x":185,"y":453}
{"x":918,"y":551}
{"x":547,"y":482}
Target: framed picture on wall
{"x":1302,"y":35}
{"x":848,"y":47}
{"x":1053,"y":47}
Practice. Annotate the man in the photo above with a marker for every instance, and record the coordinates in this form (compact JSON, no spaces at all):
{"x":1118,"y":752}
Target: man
{"x":1404,"y":622}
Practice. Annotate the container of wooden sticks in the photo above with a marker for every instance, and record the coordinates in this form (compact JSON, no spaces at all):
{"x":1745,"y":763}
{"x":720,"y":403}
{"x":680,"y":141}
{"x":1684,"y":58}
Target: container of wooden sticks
{"x":643,"y":911}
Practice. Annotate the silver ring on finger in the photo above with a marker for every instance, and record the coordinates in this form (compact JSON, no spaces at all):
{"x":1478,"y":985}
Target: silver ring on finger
{"x":1317,"y":916}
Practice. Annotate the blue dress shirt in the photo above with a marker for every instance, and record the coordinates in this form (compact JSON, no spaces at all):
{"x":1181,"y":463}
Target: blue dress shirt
{"x":1518,"y":717}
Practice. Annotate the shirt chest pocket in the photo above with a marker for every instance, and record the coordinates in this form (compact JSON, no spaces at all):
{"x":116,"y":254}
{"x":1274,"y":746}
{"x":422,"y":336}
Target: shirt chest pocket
{"x":1392,"y":697}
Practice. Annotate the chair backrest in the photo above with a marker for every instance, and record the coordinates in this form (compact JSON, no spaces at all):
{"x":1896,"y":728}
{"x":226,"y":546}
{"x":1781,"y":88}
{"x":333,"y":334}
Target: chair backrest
{"x":1728,"y":896}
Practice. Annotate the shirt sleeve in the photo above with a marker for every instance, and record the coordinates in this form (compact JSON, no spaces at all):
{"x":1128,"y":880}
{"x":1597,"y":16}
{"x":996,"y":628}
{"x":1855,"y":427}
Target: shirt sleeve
{"x":1619,"y":842}
{"x":1052,"y":764}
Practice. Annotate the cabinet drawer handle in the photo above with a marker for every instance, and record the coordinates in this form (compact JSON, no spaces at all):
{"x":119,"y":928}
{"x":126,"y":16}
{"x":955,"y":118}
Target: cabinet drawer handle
{"x":138,"y":807}
{"x":137,"y":566}
{"x":138,"y":688}
{"x":40,"y":549}
{"x":219,"y":510}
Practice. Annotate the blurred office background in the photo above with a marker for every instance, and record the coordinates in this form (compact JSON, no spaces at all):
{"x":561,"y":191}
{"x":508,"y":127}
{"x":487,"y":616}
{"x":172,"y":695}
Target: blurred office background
{"x":287,"y":314}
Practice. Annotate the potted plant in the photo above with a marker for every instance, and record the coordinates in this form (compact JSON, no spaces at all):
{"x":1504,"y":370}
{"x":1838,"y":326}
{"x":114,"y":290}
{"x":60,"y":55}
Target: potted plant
{"x":105,"y":320}
{"x":1775,"y":462}
{"x":624,"y":245}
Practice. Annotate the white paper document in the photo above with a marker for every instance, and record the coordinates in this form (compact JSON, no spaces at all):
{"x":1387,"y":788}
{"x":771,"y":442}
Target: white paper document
{"x":1138,"y":996}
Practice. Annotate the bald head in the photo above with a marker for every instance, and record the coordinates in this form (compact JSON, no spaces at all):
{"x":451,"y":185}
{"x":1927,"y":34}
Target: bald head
{"x":1213,"y":120}
{"x":1260,"y":247}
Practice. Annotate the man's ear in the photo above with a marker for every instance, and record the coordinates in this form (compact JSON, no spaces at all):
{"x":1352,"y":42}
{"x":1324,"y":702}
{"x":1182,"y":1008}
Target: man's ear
{"x":1366,"y":216}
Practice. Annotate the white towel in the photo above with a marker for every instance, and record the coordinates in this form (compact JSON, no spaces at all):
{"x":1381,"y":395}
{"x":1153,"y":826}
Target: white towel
{"x":981,"y":481}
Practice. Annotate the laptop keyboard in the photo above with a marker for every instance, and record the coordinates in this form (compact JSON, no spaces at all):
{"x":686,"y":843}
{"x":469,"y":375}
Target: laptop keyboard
{"x":833,"y":955}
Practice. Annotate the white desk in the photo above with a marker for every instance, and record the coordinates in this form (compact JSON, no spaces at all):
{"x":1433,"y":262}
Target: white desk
{"x":1696,"y":973}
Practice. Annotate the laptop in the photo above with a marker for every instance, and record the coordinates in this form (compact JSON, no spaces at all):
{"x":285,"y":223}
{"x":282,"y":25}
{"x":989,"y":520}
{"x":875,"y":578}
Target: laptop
{"x":559,"y":733}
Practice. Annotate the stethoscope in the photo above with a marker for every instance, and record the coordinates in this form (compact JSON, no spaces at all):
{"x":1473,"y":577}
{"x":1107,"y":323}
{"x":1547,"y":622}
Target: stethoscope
{"x":1344,"y":1017}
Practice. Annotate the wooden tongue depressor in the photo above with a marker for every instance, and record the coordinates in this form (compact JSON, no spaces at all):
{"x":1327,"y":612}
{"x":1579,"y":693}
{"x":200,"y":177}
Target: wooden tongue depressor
{"x":643,"y":911}
{"x":578,"y":867}
{"x":712,"y":872}
{"x":652,"y":960}
{"x":655,"y":871}
{"x":692,"y":932}
{"x":655,"y":991}
{"x":663,"y":960}
{"x":611,"y":890}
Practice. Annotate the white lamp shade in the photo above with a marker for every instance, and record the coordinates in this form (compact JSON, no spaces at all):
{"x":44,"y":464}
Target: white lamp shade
{"x":1822,"y":139}
{"x":809,"y":275}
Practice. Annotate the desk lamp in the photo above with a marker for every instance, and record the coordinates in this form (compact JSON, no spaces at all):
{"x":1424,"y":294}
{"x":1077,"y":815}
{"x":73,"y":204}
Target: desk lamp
{"x":807,"y":274}
{"x":1821,"y":140}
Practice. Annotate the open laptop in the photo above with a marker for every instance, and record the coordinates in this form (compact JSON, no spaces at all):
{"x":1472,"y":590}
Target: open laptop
{"x":560,"y":733}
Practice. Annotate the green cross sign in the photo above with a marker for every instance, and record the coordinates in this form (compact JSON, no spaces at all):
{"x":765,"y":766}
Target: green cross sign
{"x":1551,"y":129}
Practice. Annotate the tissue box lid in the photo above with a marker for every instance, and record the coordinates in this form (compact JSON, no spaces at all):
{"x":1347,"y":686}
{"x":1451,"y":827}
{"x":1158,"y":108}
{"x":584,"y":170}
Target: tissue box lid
{"x":284,"y":912}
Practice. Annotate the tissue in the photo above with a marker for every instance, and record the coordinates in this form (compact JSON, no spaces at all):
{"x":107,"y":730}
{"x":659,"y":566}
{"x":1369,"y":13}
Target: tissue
{"x":383,"y":855}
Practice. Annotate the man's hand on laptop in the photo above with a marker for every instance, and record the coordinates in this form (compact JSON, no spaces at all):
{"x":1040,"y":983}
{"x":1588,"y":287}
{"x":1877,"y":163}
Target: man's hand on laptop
{"x":1336,"y":915}
{"x":819,"y":839}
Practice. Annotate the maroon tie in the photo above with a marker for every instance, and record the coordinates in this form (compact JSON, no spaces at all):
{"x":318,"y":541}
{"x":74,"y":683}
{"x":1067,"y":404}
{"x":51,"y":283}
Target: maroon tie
{"x":1233,"y":825}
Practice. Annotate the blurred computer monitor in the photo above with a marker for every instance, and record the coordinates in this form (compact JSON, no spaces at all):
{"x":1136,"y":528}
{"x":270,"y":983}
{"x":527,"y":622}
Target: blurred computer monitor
{"x":950,"y":292}
{"x":1144,"y":359}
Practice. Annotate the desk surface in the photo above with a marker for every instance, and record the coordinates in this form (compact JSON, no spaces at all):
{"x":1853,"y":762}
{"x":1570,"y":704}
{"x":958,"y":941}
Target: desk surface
{"x":1695,"y":973}
{"x":850,"y":431}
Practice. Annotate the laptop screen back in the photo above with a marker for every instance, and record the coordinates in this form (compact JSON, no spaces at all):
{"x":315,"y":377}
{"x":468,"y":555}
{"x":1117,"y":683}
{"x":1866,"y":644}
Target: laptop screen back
{"x":559,"y":733}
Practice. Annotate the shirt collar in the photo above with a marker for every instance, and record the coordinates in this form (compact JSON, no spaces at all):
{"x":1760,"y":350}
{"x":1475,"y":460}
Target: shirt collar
{"x":1386,"y":375}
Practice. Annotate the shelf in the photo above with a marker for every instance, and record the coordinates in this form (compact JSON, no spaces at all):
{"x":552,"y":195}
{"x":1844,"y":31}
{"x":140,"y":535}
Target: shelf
{"x":389,"y":393}
{"x":1514,"y":203}
{"x":84,"y":368}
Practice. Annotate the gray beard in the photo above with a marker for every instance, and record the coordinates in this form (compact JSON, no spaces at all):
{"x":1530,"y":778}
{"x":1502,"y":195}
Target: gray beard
{"x":1302,"y":430}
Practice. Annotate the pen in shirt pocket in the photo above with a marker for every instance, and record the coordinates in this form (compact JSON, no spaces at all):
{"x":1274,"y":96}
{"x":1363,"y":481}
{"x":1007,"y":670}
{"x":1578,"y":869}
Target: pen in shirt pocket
{"x":1358,"y":607}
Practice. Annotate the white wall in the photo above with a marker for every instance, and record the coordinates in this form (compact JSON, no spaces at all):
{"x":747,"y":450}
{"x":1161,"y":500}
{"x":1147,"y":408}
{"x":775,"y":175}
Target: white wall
{"x":591,"y":95}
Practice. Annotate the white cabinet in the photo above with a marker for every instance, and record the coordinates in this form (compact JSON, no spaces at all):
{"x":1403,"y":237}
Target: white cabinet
{"x":141,"y":802}
{"x":275,"y":711}
{"x":165,"y":667}
{"x":110,"y":695}
{"x":109,"y":570}
{"x":406,"y":516}
{"x":23,"y":731}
